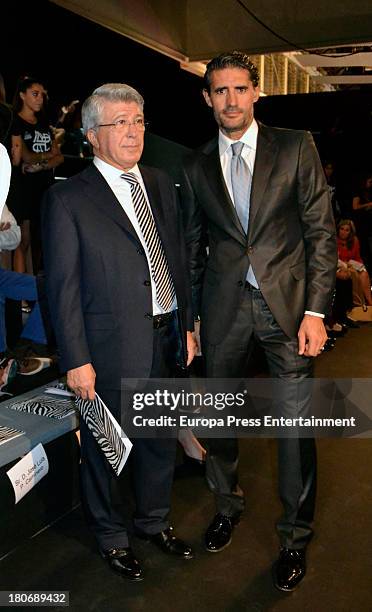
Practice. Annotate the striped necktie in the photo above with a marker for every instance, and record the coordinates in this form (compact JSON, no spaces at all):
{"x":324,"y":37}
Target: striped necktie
{"x":165,"y":292}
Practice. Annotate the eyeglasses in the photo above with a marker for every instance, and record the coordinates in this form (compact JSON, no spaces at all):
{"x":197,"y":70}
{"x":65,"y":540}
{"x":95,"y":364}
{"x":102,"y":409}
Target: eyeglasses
{"x":123,"y":124}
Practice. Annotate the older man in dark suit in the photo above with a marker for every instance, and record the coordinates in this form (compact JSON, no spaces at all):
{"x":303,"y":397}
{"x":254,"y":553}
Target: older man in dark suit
{"x":116,"y":278}
{"x":269,"y":276}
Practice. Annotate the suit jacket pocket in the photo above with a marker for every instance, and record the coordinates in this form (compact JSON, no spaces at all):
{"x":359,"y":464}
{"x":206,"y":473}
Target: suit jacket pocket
{"x":298,"y":270}
{"x":99,"y":320}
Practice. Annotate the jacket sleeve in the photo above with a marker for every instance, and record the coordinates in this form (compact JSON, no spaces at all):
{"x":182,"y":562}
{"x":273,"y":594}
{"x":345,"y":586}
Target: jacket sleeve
{"x":63,"y":281}
{"x":318,"y":228}
{"x":195,"y":237}
{"x":185,"y":268}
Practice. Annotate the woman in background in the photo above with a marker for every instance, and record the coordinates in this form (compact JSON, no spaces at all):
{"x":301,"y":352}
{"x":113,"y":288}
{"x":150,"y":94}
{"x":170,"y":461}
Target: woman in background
{"x":351,"y":264}
{"x":35,"y":154}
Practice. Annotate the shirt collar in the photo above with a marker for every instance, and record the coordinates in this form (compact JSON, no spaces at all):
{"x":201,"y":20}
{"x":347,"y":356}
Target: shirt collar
{"x":249,"y":138}
{"x":112,"y":174}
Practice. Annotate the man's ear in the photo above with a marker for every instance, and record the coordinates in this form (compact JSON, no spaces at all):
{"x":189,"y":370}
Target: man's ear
{"x":256,"y":93}
{"x":207,"y":97}
{"x":92,"y":137}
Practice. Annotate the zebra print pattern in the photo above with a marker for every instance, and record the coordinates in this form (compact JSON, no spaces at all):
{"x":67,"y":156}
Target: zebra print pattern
{"x":46,"y":406}
{"x":8,"y":433}
{"x":106,"y":430}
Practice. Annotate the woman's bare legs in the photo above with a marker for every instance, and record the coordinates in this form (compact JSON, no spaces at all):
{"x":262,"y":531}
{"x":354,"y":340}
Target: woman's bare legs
{"x":20,"y":254}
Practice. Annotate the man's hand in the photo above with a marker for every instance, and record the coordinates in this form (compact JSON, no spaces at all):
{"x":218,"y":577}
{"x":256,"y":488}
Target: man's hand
{"x":312,"y":336}
{"x":82,"y":380}
{"x":197,"y":337}
{"x":192,"y":347}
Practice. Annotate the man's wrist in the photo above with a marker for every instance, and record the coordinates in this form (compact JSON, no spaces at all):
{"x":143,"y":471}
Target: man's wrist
{"x":314,"y":314}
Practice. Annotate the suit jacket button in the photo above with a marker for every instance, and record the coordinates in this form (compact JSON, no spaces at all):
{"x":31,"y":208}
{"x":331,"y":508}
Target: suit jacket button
{"x":250,"y":250}
{"x":240,"y":283}
{"x":147,"y":283}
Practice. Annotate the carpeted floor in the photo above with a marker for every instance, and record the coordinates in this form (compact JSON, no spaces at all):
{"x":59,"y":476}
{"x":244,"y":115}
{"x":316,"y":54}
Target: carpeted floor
{"x":339,"y":575}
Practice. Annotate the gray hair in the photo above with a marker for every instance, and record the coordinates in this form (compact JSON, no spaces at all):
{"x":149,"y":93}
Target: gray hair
{"x":109,"y":92}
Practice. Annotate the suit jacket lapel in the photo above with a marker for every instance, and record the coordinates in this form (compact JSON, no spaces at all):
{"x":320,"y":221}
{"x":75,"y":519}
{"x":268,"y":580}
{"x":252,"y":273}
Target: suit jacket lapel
{"x":159,"y":203}
{"x":99,"y":191}
{"x":213,"y":171}
{"x":266,"y":153}
{"x":104,"y":198}
{"x":156,"y":201}
{"x":153,"y":193}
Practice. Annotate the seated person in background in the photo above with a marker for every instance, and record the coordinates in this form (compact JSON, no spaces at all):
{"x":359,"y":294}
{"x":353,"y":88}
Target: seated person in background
{"x":17,"y":287}
{"x":350,"y":263}
{"x":362,"y":215}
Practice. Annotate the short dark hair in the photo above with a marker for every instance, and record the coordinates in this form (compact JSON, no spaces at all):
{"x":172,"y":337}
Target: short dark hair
{"x":232,"y":59}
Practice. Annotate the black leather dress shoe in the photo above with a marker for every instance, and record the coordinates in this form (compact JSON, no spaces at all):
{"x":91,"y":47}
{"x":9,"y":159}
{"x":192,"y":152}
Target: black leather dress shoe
{"x":329,"y":344}
{"x":289,"y":569}
{"x":219,"y":533}
{"x":350,"y":323}
{"x":123,"y":562}
{"x":168,"y":543}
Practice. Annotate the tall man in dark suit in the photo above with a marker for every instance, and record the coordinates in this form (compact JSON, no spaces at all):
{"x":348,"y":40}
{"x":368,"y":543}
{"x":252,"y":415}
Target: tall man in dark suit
{"x":116,"y":276}
{"x":269,"y":276}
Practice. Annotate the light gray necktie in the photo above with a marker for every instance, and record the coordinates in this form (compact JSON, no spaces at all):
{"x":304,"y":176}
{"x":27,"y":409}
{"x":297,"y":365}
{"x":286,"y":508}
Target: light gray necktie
{"x":241,"y":181}
{"x":165,"y":292}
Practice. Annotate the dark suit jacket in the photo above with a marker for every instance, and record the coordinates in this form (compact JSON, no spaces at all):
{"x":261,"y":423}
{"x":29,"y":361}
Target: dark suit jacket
{"x":98,"y":277}
{"x":291,"y":237}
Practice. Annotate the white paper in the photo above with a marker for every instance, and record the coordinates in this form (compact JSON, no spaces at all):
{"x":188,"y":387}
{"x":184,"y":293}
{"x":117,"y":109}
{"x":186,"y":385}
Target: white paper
{"x":25,"y":474}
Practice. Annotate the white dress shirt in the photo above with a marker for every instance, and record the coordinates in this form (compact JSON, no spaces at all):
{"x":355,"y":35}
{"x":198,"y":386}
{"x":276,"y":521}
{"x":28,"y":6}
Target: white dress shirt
{"x":122,"y":192}
{"x":249,"y":138}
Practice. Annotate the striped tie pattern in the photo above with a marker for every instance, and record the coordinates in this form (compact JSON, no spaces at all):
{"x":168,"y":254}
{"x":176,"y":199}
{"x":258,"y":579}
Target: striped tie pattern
{"x":165,"y":292}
